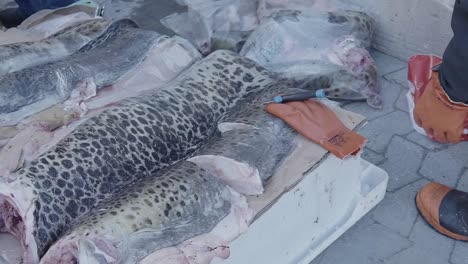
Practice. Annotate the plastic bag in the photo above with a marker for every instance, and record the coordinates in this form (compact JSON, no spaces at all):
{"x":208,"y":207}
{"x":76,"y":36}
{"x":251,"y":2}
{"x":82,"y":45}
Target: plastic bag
{"x":206,"y":17}
{"x":191,"y":26}
{"x":267,"y":7}
{"x":419,"y":74}
{"x":340,"y":38}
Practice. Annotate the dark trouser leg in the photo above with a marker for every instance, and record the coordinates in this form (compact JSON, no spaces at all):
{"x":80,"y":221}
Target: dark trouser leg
{"x":29,"y":7}
{"x":454,"y":69}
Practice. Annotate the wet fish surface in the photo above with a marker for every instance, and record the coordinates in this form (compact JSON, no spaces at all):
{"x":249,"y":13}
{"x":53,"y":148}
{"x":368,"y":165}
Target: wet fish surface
{"x":101,"y":62}
{"x":251,"y":143}
{"x":138,"y":136}
{"x":337,"y":82}
{"x":158,"y":211}
{"x":17,"y":56}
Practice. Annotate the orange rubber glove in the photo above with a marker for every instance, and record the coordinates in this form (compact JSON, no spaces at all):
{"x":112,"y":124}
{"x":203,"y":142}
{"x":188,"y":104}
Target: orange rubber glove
{"x":318,"y":123}
{"x":441,"y":118}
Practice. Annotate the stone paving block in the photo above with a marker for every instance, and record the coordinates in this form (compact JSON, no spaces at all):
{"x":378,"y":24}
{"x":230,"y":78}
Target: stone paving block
{"x":424,"y":141}
{"x":380,"y":131}
{"x":463,"y":184}
{"x":398,"y":211}
{"x":369,"y":245}
{"x":372,"y":157}
{"x":400,"y":77}
{"x":362,"y":224}
{"x":387,"y":64}
{"x":445,"y":165}
{"x":402,"y":102}
{"x":402,"y":164}
{"x":416,"y":255}
{"x":429,"y":247}
{"x":430,"y":240}
{"x":390,"y":92}
{"x":460,"y":253}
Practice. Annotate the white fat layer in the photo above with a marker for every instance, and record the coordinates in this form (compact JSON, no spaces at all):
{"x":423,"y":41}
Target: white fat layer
{"x":223,"y":127}
{"x":241,"y":177}
{"x":21,"y":197}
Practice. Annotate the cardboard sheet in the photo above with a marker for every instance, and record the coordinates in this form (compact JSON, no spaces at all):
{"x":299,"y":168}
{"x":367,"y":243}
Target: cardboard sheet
{"x":304,"y":158}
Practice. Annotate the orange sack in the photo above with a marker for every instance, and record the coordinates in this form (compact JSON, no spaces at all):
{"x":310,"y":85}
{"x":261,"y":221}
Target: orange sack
{"x":318,"y":123}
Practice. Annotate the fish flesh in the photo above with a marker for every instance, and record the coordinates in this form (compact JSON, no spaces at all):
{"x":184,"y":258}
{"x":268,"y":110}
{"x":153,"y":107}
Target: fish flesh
{"x":34,"y":89}
{"x":155,"y":212}
{"x":18,"y":56}
{"x":339,"y":37}
{"x":137,"y":136}
{"x":251,"y":144}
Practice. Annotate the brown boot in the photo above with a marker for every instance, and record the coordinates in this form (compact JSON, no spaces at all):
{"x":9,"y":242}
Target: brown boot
{"x":445,"y":209}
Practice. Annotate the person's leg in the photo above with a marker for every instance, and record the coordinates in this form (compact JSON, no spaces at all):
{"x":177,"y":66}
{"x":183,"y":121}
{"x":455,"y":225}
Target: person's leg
{"x":453,"y":71}
{"x":445,"y":208}
{"x":441,"y":110}
{"x":14,"y":16}
{"x":29,"y":7}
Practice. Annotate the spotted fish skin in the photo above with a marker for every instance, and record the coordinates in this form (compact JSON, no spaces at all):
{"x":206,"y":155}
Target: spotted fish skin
{"x":337,"y":82}
{"x":259,"y":149}
{"x":250,"y":121}
{"x":17,"y":56}
{"x":363,"y":26}
{"x":251,"y":111}
{"x":137,"y":137}
{"x":45,"y":85}
{"x":158,"y":211}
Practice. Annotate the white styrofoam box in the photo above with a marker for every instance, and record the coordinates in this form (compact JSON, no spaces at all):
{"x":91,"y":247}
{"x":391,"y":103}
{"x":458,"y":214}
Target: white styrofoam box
{"x":307,"y":219}
{"x":408,"y":27}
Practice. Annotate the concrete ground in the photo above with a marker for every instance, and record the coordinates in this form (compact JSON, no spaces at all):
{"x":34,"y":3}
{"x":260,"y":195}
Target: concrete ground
{"x":392,"y":233}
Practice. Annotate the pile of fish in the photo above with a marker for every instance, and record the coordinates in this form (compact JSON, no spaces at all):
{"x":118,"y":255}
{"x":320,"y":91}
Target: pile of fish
{"x":111,"y":165}
{"x":87,"y":85}
{"x":76,"y":77}
{"x":291,"y":39}
{"x":17,"y":56}
{"x":126,"y":147}
{"x":335,"y":46}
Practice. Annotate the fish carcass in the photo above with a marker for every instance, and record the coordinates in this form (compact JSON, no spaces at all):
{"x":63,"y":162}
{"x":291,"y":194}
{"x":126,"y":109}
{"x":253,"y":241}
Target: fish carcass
{"x":156,"y":212}
{"x":37,"y":133}
{"x":342,"y":38}
{"x":136,"y":137}
{"x":17,"y":56}
{"x":251,"y":143}
{"x":101,"y":62}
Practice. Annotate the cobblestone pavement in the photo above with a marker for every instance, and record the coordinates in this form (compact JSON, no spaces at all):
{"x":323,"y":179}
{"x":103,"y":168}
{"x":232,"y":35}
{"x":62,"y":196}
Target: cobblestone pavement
{"x":394,"y":233}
